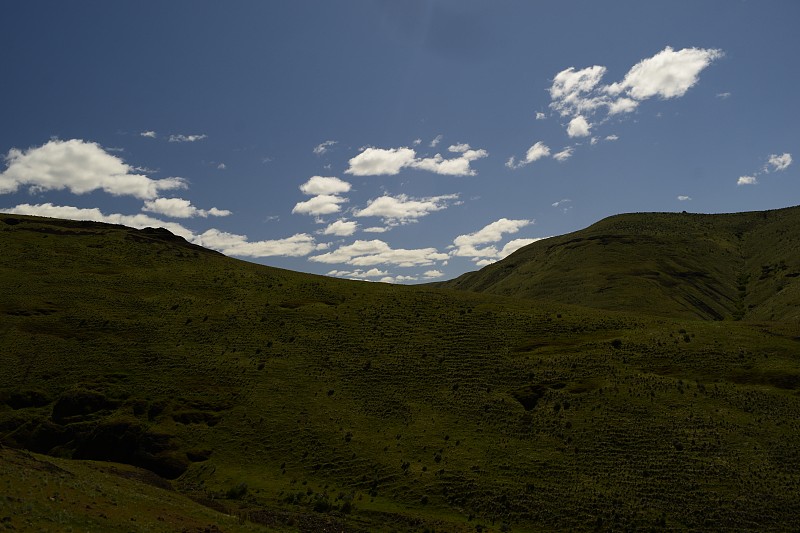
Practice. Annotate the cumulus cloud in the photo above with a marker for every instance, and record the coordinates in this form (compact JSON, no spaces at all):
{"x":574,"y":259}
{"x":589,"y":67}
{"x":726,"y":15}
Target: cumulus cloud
{"x":747,"y":180}
{"x":579,"y":93}
{"x":324,"y":185}
{"x":377,"y":252}
{"x":433,"y":274}
{"x":358,"y":274}
{"x":376,"y":229}
{"x":323,"y":147}
{"x":402,"y":209}
{"x":564,"y":154}
{"x":668,"y":74}
{"x":180,"y":208}
{"x":297,"y":245}
{"x":380,"y":161}
{"x":79,"y":167}
{"x":187,"y":138}
{"x":578,"y":127}
{"x":469,"y":245}
{"x":388,"y":162}
{"x":341,"y":228}
{"x":149,"y":134}
{"x":779,"y":162}
{"x":227,"y":243}
{"x":323,"y":204}
{"x":540,"y":115}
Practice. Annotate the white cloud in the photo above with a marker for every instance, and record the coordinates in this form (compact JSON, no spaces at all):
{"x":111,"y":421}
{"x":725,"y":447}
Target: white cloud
{"x":417,"y":142}
{"x":436,"y":140}
{"x":380,"y":161}
{"x":358,"y":273}
{"x":180,"y":208}
{"x":376,"y":229}
{"x":397,"y":279}
{"x":323,"y":147}
{"x":779,"y":162}
{"x":612,"y":137}
{"x":402,"y":209}
{"x":297,"y":245}
{"x":324,"y":204}
{"x":561,"y":202}
{"x":684,"y":198}
{"x":747,"y":180}
{"x":227,"y":243}
{"x":341,"y":228}
{"x":578,"y":127}
{"x":622,"y":105}
{"x":221,"y":166}
{"x":534,"y":153}
{"x":724,"y":95}
{"x":376,"y":252}
{"x":433,"y":274}
{"x":149,"y":134}
{"x":80,"y":167}
{"x":570,"y":90}
{"x":459,"y":148}
{"x":564,"y":154}
{"x":668,"y":74}
{"x":187,"y":138}
{"x":467,"y":245}
{"x":138,"y":221}
{"x":540,"y":115}
{"x":324,"y":185}
{"x":459,"y":166}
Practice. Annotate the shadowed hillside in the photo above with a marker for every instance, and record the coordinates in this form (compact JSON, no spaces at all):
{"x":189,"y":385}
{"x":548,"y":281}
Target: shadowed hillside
{"x":731,"y":266}
{"x":315,"y":404}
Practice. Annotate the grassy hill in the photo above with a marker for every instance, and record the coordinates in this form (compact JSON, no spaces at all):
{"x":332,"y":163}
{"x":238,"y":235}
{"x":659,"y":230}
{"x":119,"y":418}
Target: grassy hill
{"x":296,"y":402}
{"x":731,"y":266}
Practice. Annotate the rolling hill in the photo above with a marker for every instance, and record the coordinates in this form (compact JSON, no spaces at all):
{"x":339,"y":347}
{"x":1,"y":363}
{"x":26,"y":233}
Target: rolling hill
{"x":729,"y":266}
{"x":141,"y":376}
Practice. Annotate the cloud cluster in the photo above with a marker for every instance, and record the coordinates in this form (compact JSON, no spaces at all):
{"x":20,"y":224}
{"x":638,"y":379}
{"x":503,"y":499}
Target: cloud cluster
{"x":297,"y":245}
{"x":775,"y":163}
{"x":376,"y":252}
{"x":390,"y":161}
{"x":180,"y":208}
{"x":326,"y":200}
{"x":469,"y":245}
{"x":579,"y":94}
{"x":402,"y":209}
{"x":539,"y":151}
{"x":79,"y":167}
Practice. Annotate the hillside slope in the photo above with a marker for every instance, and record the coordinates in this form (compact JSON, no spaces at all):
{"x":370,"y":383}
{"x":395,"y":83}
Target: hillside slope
{"x":743,"y":265}
{"x":319,"y":404}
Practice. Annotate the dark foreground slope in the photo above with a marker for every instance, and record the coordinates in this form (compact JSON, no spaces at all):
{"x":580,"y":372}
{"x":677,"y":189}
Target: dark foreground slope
{"x":743,"y":265}
{"x":316,"y":404}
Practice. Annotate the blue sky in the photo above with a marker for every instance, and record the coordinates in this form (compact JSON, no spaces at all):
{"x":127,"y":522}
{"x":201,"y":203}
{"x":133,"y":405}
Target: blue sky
{"x":402,"y":141}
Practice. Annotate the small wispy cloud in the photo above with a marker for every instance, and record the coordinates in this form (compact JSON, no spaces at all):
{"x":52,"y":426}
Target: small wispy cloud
{"x":724,"y":95}
{"x":180,"y":138}
{"x":324,"y":147}
{"x":684,"y":198}
{"x":149,"y":134}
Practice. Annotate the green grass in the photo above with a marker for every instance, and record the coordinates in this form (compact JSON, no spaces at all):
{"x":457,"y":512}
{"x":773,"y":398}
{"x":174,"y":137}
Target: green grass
{"x":720,"y":267}
{"x":298,"y":401}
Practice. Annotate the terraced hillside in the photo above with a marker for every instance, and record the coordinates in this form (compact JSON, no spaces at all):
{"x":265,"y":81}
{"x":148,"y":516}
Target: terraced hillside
{"x":306,"y":403}
{"x":731,"y":266}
